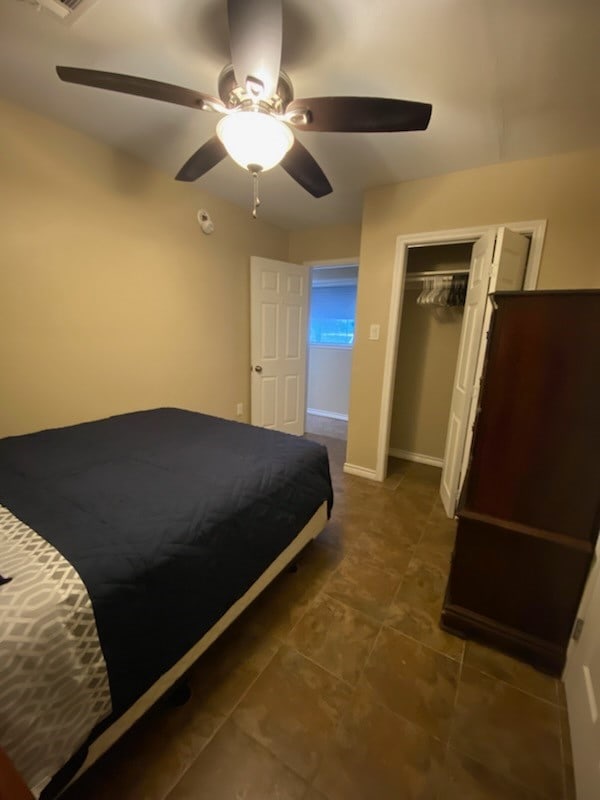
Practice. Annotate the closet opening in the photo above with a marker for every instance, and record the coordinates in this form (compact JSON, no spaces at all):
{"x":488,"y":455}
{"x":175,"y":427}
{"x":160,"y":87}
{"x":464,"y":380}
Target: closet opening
{"x":428,"y":342}
{"x":434,"y":351}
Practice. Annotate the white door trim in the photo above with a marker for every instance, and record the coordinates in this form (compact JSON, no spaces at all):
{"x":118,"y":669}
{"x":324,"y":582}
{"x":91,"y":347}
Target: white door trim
{"x":360,"y":472}
{"x":418,"y":458}
{"x":534,"y":228}
{"x":327,"y":414}
{"x":334,"y":262}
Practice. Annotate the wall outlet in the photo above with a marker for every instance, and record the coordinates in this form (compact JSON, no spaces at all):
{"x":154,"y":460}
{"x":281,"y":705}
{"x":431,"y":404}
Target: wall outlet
{"x":240,"y":409}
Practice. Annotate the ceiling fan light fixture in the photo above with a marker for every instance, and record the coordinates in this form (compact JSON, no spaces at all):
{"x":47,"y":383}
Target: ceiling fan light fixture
{"x":254,"y":139}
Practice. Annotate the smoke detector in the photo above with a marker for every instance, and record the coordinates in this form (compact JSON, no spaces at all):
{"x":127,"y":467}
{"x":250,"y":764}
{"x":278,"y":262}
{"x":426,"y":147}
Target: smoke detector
{"x":205,"y":222}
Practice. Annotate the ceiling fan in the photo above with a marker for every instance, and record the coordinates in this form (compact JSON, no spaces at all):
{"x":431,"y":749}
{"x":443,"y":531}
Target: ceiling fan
{"x":258,"y":106}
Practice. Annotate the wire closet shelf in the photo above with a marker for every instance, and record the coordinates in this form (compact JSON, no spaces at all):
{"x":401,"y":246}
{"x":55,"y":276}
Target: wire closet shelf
{"x":413,"y":277}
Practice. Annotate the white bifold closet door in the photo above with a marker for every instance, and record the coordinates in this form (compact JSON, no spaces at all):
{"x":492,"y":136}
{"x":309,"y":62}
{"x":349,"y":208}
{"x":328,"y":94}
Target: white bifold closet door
{"x":498,"y":263}
{"x":279,"y":301}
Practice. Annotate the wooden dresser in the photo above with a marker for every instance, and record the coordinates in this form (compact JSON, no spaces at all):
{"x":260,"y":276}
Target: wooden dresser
{"x":12,"y":786}
{"x":530,"y":508}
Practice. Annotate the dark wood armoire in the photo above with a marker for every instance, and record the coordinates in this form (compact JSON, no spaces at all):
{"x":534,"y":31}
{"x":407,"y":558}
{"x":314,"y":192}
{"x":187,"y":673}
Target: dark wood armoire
{"x":530,"y":507}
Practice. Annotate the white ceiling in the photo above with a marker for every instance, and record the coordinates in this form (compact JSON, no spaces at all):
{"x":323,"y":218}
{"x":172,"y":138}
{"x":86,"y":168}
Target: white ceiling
{"x":508,"y":79}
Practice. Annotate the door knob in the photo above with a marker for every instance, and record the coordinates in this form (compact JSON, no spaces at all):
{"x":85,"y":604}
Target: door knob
{"x":258,"y":368}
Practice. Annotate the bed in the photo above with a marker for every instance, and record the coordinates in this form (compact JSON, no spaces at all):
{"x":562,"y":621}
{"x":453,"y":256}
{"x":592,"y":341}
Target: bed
{"x":127,"y":545}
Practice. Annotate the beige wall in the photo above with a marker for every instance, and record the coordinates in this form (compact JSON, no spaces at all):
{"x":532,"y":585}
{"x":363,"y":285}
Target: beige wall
{"x":111,"y":298}
{"x":426,"y":362}
{"x":329,"y":371}
{"x":562,"y":189}
{"x":326,"y":243}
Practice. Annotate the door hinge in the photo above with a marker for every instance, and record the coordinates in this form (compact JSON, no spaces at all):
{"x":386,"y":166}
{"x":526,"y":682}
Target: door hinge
{"x":577,"y":628}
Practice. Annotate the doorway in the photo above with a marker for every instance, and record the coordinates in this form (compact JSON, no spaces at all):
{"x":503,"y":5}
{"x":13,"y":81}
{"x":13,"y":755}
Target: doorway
{"x":330,"y":343}
{"x":279,"y":363}
{"x":427,"y":351}
{"x":491,"y":269}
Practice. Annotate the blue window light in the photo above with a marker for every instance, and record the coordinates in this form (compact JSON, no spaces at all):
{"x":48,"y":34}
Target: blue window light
{"x":332,"y":315}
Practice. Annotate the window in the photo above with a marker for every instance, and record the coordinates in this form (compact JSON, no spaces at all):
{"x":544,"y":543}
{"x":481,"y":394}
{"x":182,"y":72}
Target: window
{"x":332,"y":313}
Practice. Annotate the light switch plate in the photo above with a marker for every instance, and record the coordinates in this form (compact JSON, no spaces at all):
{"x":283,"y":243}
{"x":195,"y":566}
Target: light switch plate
{"x":374,"y":332}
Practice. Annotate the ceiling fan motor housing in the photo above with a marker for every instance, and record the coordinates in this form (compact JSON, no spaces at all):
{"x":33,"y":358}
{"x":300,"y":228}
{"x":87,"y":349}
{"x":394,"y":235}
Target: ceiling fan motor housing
{"x":260,"y":103}
{"x":232,"y":94}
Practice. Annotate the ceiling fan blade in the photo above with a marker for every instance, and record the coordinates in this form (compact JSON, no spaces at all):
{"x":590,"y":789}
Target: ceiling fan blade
{"x":255,"y":34}
{"x":360,"y":114}
{"x":143,"y":87}
{"x":207,"y":157}
{"x":302,"y":167}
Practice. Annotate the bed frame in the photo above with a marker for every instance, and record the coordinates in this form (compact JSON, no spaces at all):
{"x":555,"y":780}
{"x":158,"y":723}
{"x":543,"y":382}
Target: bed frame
{"x":114,"y":732}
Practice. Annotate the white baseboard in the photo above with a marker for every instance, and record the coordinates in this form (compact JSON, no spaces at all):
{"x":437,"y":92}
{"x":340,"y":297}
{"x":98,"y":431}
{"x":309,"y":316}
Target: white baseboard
{"x":420,"y":458}
{"x":361,"y":472}
{"x":331,"y":414}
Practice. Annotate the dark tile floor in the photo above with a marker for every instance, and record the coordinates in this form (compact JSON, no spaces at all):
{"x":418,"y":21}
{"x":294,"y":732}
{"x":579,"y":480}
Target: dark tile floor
{"x":337,"y":683}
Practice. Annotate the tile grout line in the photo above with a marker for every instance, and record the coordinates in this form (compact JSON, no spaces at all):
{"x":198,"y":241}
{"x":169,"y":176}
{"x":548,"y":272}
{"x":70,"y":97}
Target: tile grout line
{"x":226,"y":717}
{"x":444,"y":768}
{"x":395,"y":575}
{"x":346,"y":683}
{"x":190,"y":765}
{"x":320,"y":592}
{"x":369,"y":654}
{"x":390,"y":627}
{"x":562,"y":753}
{"x":352,"y":695}
{"x":286,"y":643}
{"x":462,"y":663}
{"x":251,"y":684}
{"x":510,"y":685}
{"x":454,"y":707}
{"x":510,"y":778}
{"x":323,"y":593}
{"x":314,"y":663}
{"x":342,"y":712}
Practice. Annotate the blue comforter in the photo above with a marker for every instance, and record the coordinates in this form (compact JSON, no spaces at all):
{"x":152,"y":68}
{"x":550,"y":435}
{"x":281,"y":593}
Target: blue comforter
{"x":168,"y":516}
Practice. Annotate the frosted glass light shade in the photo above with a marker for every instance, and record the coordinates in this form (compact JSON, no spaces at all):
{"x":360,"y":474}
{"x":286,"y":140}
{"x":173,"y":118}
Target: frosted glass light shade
{"x":253,"y":138}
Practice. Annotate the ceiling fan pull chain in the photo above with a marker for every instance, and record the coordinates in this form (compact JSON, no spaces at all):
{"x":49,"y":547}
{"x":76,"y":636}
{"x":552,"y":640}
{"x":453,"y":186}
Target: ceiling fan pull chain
{"x":255,"y":197}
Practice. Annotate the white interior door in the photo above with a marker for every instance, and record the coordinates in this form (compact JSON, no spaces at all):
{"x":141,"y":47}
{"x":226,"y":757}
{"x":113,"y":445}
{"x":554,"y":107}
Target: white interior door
{"x":498,"y":263}
{"x":279,"y":298}
{"x":508,"y":275}
{"x":468,"y":350}
{"x":582,"y":682}
{"x":510,"y":261}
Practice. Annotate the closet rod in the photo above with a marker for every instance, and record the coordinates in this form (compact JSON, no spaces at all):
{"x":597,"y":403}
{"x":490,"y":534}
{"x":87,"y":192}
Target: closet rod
{"x":433,"y":273}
